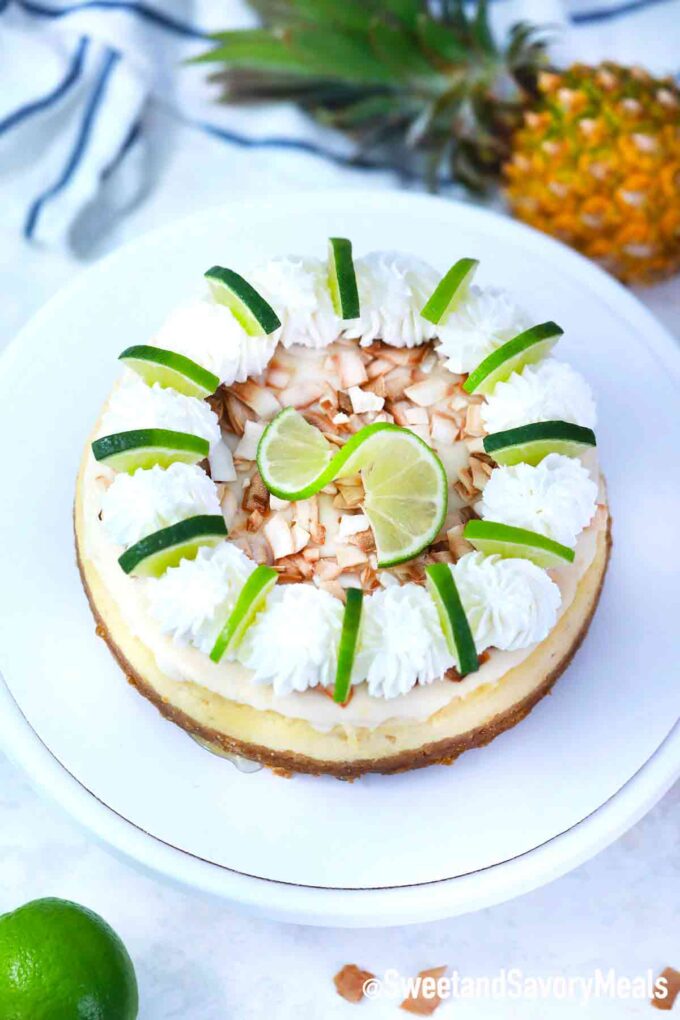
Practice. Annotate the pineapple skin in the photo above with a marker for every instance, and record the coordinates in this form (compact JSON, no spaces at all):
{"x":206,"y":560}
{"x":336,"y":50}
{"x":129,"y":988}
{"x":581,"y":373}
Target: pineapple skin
{"x":597,"y":165}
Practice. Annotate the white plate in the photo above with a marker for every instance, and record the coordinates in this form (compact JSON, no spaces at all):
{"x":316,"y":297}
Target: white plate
{"x":586,"y":763}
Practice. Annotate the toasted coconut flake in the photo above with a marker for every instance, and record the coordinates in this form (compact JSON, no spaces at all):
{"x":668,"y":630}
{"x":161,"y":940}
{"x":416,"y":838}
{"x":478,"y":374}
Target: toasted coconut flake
{"x":236,"y":413}
{"x":352,"y":524}
{"x":222,"y":463}
{"x":444,"y":430}
{"x":416,"y":416}
{"x":480,"y":471}
{"x":369,"y":577}
{"x":278,"y":378}
{"x":229,"y":504}
{"x":426,"y":1000}
{"x":384,"y":416}
{"x":340,"y":418}
{"x":364,"y":400}
{"x":473,"y":420}
{"x":378,"y":367}
{"x":311,"y":554}
{"x":255,"y":520}
{"x":396,"y":382}
{"x":258,"y":398}
{"x":345,"y":402}
{"x":278,"y":504}
{"x":475,"y":445}
{"x":333,"y":588}
{"x":246,"y":448}
{"x":327,"y":570}
{"x":376,"y":386}
{"x":458,"y":546}
{"x":255,"y":494}
{"x":399,"y":411}
{"x":349,"y":557}
{"x":300,"y":537}
{"x":279,"y":536}
{"x":404,"y":355}
{"x":351,"y":368}
{"x":301,"y":394}
{"x":458,"y":402}
{"x":429,"y":391}
{"x":364,"y":540}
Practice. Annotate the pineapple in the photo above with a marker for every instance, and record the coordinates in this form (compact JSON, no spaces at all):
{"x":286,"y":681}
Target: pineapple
{"x":591,"y":155}
{"x":597,"y":164}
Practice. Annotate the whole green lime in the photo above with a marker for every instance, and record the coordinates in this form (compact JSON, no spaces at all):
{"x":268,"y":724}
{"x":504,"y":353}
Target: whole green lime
{"x":61,"y":961}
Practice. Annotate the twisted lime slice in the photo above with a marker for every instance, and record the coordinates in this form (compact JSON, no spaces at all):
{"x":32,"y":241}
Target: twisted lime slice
{"x":454,"y":622}
{"x":293,"y":456}
{"x":153,"y":554}
{"x":524,"y":349}
{"x":342,"y":280}
{"x":254,"y":313}
{"x":170,"y":370}
{"x":405,"y":485}
{"x":144,"y":448}
{"x":251,"y":599}
{"x":451,"y":290}
{"x":505,"y":540}
{"x":529,"y":444}
{"x":348,"y":644}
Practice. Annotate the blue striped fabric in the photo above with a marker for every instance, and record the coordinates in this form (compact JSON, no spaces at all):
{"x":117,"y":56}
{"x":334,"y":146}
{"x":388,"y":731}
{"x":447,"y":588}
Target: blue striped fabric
{"x":72,"y":75}
{"x":163,"y":38}
{"x":111,"y":58}
{"x":141,"y":10}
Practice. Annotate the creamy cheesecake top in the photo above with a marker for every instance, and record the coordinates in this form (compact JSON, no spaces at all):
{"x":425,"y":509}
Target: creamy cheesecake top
{"x":452,"y":428}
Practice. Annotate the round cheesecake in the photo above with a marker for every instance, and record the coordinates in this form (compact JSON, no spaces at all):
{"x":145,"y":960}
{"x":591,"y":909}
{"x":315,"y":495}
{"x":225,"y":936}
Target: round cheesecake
{"x":271,"y":697}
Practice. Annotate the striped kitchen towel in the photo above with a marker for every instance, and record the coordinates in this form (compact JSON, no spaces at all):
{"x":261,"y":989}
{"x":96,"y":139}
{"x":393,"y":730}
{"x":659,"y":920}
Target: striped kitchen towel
{"x":77,"y":78}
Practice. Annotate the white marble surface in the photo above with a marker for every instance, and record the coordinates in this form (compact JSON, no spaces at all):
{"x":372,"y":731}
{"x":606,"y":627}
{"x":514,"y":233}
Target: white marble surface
{"x":197,"y":959}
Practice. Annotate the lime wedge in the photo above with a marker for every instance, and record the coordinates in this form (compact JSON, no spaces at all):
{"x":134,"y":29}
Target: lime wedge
{"x":292,"y":456}
{"x":524,"y":349}
{"x":153,"y":554}
{"x":454,"y":622}
{"x":529,"y":444}
{"x":248,"y":306}
{"x":504,"y":539}
{"x":342,"y":280}
{"x":144,"y":448}
{"x":251,"y":599}
{"x":170,"y":370}
{"x":450,"y":291}
{"x":348,"y":645}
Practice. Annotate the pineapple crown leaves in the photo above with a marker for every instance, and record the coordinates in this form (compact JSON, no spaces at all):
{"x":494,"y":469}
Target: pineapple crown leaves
{"x":419,"y":84}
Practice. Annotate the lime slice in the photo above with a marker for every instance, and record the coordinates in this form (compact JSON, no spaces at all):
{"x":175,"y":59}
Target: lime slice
{"x":251,"y":599}
{"x":348,"y":645}
{"x":524,"y":349}
{"x":450,"y":291}
{"x":405,"y":485}
{"x":342,"y":280}
{"x":292,"y":456}
{"x":254,"y":313}
{"x":529,"y":444}
{"x":504,"y":539}
{"x":153,"y":554}
{"x":144,"y":448}
{"x":170,"y":370}
{"x":454,"y":622}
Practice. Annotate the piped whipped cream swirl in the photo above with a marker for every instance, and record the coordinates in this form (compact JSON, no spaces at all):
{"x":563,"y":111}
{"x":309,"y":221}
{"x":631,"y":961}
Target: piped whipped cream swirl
{"x":297,"y":290}
{"x":393,"y":288}
{"x":134,"y":405}
{"x":401,"y":642}
{"x":509,"y":603}
{"x":210,"y":335}
{"x":193,"y":601}
{"x":557,"y":497}
{"x":549,"y":391}
{"x":139,"y":504}
{"x":487,"y":318}
{"x":293,"y":643}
